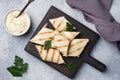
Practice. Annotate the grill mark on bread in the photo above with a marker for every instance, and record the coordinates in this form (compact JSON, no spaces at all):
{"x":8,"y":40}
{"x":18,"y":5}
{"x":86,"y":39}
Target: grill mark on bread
{"x":42,"y":53}
{"x":54,"y":21}
{"x":60,"y":23}
{"x":73,"y":34}
{"x":49,"y":38}
{"x":53,"y":55}
{"x":45,"y":32}
{"x":64,"y":28}
{"x":77,"y":43}
{"x":60,"y":46}
{"x":41,"y":49}
{"x":58,"y":58}
{"x":63,"y":34}
{"x":46,"y":54}
{"x":76,"y":50}
{"x":60,"y":40}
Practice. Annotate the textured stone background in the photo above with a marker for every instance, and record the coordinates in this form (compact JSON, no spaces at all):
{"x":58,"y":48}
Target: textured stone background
{"x":10,"y":46}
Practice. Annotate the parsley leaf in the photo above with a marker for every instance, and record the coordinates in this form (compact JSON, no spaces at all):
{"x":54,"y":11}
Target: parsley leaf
{"x":14,"y":71}
{"x":47,"y":44}
{"x":69,"y":26}
{"x":18,"y":68}
{"x":71,"y":65}
{"x":18,"y":61}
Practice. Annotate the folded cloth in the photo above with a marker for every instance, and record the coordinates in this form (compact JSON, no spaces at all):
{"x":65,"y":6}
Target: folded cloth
{"x":97,"y":12}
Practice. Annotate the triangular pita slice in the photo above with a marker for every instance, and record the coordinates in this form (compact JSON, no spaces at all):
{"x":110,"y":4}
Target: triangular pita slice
{"x":52,"y":21}
{"x":43,"y":35}
{"x":61,"y":43}
{"x":77,"y":46}
{"x":50,"y":55}
{"x":69,"y":35}
{"x":59,"y":23}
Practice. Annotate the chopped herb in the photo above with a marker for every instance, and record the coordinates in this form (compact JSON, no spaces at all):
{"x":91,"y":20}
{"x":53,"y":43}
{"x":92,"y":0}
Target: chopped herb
{"x":18,"y":68}
{"x":47,"y":44}
{"x":71,"y":65}
{"x":69,"y":26}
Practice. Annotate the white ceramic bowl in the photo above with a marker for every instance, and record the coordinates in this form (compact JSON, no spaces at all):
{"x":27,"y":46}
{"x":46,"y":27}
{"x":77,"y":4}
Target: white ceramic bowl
{"x":27,"y":28}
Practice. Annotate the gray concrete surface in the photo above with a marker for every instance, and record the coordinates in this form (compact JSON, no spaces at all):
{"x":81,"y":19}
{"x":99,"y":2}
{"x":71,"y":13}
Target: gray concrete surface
{"x":10,"y":46}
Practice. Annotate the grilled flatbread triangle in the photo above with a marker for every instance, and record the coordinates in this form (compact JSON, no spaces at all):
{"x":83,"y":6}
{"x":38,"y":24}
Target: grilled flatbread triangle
{"x":61,"y":43}
{"x":77,"y":46}
{"x":50,"y":55}
{"x":43,"y":35}
{"x":52,"y":21}
{"x":59,"y":23}
{"x":69,"y":35}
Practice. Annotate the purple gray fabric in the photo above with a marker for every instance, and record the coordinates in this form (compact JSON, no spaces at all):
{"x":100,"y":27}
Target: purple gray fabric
{"x":97,"y":12}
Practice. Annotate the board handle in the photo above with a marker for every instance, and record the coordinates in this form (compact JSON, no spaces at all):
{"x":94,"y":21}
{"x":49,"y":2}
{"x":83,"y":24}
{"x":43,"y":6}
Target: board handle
{"x":95,"y":63}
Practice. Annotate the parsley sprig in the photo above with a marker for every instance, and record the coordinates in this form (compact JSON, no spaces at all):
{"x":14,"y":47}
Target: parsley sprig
{"x":71,"y":65}
{"x":47,"y":44}
{"x":18,"y":68}
{"x":69,"y":26}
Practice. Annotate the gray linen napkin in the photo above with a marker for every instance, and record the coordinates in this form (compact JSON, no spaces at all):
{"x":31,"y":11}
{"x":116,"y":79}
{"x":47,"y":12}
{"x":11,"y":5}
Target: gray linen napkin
{"x":97,"y":12}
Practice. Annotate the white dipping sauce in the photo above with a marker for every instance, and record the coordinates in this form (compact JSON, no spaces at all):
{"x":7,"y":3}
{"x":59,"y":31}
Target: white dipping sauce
{"x":19,"y":25}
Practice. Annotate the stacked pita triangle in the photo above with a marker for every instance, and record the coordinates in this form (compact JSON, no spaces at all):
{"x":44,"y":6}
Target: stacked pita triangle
{"x":62,"y":42}
{"x":59,"y":23}
{"x":43,"y":35}
{"x":69,"y":35}
{"x":51,"y":55}
{"x":77,"y":46}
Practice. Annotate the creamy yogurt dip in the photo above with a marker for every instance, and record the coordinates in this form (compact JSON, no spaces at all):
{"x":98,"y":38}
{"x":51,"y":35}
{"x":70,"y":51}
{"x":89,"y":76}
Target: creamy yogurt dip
{"x":19,"y":25}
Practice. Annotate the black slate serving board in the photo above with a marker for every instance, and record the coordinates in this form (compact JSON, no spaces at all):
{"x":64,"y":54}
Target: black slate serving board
{"x":118,"y":44}
{"x":85,"y":56}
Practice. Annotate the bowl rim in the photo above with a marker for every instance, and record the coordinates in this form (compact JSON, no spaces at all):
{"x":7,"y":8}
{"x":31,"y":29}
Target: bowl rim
{"x":23,"y":31}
